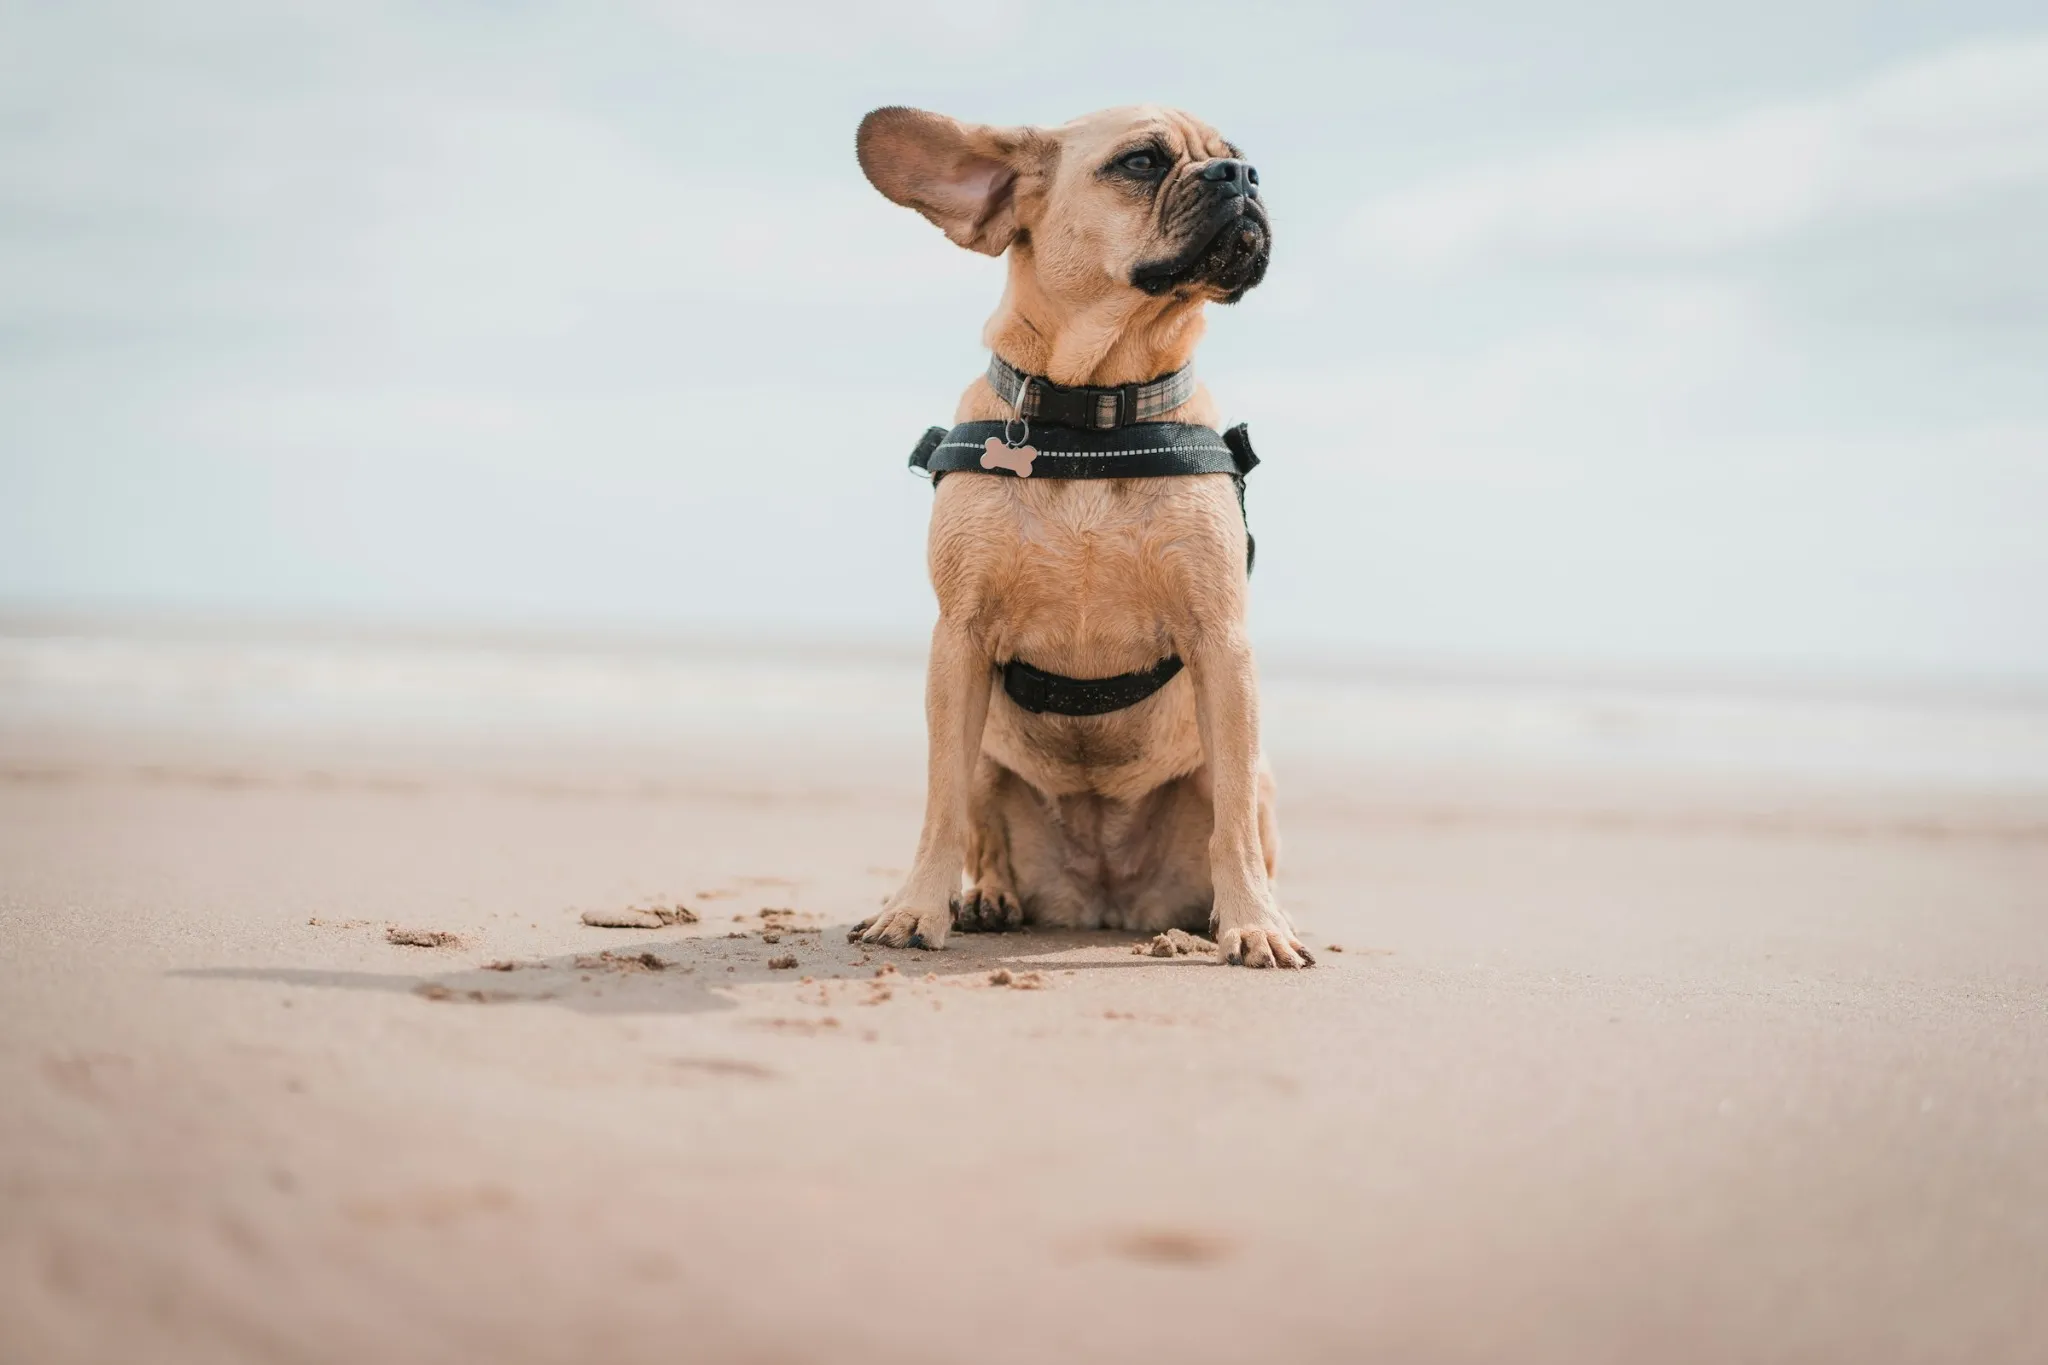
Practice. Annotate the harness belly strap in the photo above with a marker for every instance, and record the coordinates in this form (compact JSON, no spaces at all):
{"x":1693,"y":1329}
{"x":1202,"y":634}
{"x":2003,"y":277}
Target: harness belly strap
{"x":1039,"y":692}
{"x":1144,"y":450}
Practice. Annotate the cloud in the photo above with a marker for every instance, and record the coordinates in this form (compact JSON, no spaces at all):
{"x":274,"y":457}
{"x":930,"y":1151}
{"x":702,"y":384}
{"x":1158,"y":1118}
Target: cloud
{"x":165,"y":197}
{"x":1953,"y":127}
{"x":784,"y":26}
{"x":1551,"y":403}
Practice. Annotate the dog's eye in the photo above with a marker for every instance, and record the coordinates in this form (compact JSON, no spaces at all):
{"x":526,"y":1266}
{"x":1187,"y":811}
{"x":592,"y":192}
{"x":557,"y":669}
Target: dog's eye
{"x":1144,"y":163}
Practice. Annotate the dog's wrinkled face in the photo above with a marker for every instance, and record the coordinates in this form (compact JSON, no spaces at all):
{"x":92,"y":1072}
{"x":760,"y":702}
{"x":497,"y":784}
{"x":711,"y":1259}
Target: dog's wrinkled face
{"x":1183,"y":202}
{"x":1142,"y":202}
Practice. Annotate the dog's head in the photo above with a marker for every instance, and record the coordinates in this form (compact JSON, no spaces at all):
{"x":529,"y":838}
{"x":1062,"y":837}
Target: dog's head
{"x":1135,"y":203}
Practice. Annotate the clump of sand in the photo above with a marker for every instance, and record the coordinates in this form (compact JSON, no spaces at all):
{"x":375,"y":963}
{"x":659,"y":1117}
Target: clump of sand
{"x":1173,"y":943}
{"x":421,"y":938}
{"x":776,"y":922}
{"x":621,"y":962}
{"x":1018,"y":981}
{"x":640,"y":917}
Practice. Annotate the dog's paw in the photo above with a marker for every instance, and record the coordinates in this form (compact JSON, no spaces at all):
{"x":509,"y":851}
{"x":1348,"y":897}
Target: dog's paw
{"x":1266,"y":942}
{"x":987,"y":909}
{"x":904,"y":926}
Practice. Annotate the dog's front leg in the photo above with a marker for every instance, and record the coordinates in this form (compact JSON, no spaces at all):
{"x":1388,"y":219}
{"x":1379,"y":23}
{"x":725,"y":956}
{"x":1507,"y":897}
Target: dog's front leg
{"x":1249,"y":925}
{"x":956,"y":694}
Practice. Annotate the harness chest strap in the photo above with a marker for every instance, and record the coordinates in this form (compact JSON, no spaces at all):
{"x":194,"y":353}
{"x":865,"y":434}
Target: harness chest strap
{"x":1145,"y":450}
{"x":1148,"y":450}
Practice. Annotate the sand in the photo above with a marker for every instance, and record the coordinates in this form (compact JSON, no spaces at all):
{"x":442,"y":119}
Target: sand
{"x":1649,"y":1069}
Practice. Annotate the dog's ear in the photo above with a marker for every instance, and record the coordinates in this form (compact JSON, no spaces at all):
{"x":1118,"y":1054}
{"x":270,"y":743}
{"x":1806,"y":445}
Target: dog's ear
{"x":963,"y":176}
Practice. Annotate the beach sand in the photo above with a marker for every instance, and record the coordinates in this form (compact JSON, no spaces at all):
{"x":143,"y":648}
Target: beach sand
{"x":1603,"y":1060}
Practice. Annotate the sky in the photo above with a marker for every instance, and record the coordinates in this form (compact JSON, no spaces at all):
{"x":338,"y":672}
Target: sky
{"x":1687,"y":339}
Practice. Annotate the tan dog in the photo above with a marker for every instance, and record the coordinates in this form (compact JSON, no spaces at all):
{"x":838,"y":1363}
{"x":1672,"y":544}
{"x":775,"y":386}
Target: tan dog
{"x":1160,"y":814}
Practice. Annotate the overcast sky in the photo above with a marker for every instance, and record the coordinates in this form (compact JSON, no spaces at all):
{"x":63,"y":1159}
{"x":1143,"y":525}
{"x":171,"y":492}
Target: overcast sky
{"x":1681,"y":337}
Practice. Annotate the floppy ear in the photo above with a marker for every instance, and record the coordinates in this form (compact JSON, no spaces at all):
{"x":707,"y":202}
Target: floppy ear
{"x":963,"y":176}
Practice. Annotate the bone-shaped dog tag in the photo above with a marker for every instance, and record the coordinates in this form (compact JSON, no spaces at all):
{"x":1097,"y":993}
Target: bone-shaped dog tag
{"x":1016,"y":459}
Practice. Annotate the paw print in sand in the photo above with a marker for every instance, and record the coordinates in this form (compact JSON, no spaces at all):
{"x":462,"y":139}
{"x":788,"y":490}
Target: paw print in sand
{"x":1016,"y":459}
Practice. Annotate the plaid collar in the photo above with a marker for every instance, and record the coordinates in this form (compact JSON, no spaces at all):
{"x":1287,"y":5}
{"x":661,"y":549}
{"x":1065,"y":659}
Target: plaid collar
{"x":1091,"y":409}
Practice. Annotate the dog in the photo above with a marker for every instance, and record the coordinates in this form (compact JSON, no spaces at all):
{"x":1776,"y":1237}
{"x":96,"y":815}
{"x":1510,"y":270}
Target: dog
{"x":1120,"y":228}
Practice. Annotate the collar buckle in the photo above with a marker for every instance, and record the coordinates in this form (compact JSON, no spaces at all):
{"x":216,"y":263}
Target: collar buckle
{"x":1112,"y":409}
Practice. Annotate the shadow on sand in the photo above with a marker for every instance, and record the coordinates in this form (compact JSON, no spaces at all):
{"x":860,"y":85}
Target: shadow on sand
{"x":692,"y":972}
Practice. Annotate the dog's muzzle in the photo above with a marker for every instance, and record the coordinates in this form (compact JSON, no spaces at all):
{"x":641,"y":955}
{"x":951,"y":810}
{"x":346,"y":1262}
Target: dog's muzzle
{"x":1231,"y":245}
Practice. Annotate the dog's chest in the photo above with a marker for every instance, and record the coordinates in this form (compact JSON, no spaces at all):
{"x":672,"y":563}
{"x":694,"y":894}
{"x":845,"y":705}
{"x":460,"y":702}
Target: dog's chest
{"x":1096,"y":572}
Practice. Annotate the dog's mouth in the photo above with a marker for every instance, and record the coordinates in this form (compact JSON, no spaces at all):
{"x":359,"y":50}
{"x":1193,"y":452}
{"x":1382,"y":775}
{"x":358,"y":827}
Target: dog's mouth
{"x":1231,"y":260}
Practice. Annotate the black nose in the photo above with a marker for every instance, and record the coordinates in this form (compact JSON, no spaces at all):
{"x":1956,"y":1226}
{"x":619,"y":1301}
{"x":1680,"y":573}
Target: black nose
{"x":1237,"y":177}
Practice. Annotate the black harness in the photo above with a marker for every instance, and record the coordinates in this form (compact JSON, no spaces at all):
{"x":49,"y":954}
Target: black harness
{"x":1080,"y":432}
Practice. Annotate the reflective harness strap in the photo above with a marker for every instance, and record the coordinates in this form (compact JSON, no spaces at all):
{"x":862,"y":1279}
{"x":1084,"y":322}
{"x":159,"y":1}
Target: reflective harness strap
{"x":1148,"y":450}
